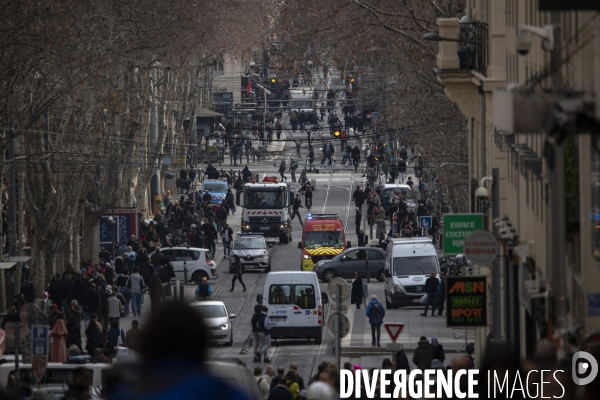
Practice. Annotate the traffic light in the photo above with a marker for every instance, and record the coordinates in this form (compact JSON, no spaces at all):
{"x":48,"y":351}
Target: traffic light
{"x":336,"y":133}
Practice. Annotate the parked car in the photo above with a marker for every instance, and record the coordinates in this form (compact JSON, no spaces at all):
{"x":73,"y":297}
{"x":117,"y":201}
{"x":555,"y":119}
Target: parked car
{"x":350,"y":261}
{"x":217,"y":320}
{"x":253,"y":251}
{"x":198,"y":261}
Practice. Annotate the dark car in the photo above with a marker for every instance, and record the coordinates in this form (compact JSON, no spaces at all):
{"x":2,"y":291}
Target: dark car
{"x":350,"y":261}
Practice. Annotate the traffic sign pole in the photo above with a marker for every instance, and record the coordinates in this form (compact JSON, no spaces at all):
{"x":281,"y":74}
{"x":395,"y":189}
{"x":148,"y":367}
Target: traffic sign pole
{"x":39,"y":350}
{"x":338,"y":333}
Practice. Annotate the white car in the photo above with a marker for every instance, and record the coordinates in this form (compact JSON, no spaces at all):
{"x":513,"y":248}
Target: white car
{"x":198,"y":262}
{"x":253,"y":251}
{"x":217,"y":321}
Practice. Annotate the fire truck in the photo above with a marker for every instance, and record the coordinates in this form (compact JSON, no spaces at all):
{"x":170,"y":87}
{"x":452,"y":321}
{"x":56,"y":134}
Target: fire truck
{"x":267,"y":209}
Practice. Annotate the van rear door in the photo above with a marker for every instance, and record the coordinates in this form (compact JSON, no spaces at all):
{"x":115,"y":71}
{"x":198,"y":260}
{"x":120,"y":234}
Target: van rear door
{"x":305,"y":307}
{"x":281,"y":310}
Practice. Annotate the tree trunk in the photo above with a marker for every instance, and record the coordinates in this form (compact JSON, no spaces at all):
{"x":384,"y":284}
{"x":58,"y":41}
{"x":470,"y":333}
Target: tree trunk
{"x":37,"y":273}
{"x":91,"y":243}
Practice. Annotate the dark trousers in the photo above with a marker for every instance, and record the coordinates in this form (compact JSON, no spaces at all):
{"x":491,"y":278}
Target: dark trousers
{"x":431,"y":300}
{"x":238,"y":277}
{"x":308,"y":201}
{"x":295,"y":212}
{"x":375,"y":327}
{"x":441,"y":299}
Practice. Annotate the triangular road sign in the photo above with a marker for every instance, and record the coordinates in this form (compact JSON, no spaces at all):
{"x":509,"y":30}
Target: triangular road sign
{"x":394,"y":330}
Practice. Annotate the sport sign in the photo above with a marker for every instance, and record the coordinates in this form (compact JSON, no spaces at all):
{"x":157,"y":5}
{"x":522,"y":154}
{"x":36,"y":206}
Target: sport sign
{"x":457,"y":227}
{"x":467,"y":301}
{"x":481,"y":247}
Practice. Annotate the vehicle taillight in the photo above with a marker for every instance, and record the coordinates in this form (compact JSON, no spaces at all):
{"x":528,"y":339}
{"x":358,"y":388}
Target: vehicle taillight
{"x":296,"y":308}
{"x":208,"y":260}
{"x":320,"y":315}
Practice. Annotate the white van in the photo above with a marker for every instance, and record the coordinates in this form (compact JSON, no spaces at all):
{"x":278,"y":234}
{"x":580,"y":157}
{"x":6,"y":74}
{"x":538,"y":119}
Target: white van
{"x":408,"y":264}
{"x":295,"y":305}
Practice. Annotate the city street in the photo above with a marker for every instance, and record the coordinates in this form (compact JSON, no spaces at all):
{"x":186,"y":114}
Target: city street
{"x":334,"y":186}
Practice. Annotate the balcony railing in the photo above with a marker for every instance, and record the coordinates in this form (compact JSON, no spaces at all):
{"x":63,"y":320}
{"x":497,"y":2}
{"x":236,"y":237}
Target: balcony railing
{"x":474,"y":56}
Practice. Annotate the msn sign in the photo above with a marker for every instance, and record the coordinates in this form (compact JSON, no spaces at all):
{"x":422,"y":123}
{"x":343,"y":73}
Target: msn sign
{"x":468,"y":287}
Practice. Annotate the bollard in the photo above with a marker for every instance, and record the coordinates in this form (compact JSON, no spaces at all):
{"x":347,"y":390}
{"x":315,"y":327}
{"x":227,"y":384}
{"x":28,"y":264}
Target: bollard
{"x":176,"y":288}
{"x":185,"y":273}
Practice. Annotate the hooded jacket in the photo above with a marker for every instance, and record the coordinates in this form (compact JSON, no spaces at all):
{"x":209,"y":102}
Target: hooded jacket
{"x":423,"y":355}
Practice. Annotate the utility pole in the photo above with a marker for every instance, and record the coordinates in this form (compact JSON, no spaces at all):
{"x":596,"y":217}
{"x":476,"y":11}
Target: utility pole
{"x":154,"y":184}
{"x":498,"y":263}
{"x":265,"y":91}
{"x":558,"y":224}
{"x":12,"y":199}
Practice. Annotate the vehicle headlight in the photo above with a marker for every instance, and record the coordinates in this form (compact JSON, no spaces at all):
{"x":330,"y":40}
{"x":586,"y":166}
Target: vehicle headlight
{"x":399,"y":288}
{"x":224,"y":326}
{"x":246,"y":226}
{"x":306,"y":257}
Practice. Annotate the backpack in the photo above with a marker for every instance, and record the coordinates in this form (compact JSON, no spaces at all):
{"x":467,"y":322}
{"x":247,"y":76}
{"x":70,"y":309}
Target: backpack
{"x":308,"y":189}
{"x":376,"y":311}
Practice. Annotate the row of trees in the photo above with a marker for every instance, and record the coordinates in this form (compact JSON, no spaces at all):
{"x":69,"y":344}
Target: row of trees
{"x":77,"y":90}
{"x":379,"y":42}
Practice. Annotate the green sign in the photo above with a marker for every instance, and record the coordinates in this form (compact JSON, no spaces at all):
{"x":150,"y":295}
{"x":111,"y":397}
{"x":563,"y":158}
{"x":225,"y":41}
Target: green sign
{"x":467,"y":301}
{"x":456,"y":229}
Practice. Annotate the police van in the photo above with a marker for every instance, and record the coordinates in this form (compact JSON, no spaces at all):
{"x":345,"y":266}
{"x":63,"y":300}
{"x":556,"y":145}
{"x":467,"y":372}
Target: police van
{"x":295,"y":304}
{"x":408,"y":264}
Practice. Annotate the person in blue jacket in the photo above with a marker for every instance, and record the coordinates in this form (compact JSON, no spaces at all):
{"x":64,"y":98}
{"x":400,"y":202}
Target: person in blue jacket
{"x":203,"y":290}
{"x":375,"y":312}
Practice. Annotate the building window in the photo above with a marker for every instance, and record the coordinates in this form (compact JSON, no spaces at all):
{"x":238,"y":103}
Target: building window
{"x":220,"y":67}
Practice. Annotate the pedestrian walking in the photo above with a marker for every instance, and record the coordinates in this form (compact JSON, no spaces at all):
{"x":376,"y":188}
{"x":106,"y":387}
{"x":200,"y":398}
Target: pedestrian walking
{"x":359,"y":197}
{"x":264,"y":327}
{"x":256,"y":331}
{"x":363,"y":239}
{"x":155,"y":287}
{"x":203,"y":290}
{"x":423,"y":355}
{"x":295,"y":209}
{"x":226,"y":235}
{"x":365,"y":293}
{"x":431,"y":289}
{"x":358,"y":220}
{"x":293,"y":168}
{"x":136,"y":285}
{"x":328,"y":152}
{"x":357,"y":291}
{"x":282,"y":170}
{"x":58,"y":350}
{"x":376,"y":313}
{"x":237,"y":273}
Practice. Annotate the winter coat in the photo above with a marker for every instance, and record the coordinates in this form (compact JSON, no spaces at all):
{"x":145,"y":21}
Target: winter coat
{"x":357,"y":291}
{"x":438,"y":352}
{"x":423,"y":355}
{"x":402,"y":362}
{"x":373,"y":320}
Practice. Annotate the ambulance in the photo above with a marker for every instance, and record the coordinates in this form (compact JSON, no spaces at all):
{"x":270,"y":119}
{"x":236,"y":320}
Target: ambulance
{"x":323,"y":237}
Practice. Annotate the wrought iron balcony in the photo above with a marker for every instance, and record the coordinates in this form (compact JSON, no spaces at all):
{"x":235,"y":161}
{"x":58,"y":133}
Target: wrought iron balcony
{"x":473,"y":47}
